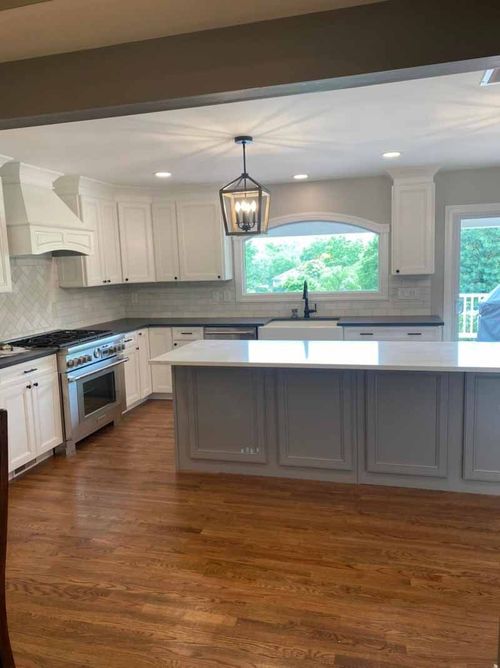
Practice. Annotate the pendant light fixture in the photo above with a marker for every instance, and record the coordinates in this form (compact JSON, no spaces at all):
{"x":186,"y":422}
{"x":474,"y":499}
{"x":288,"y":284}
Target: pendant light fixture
{"x":245,"y":203}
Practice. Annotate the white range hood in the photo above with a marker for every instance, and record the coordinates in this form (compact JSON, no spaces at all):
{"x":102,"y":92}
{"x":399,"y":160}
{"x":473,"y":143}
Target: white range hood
{"x":38,"y":221}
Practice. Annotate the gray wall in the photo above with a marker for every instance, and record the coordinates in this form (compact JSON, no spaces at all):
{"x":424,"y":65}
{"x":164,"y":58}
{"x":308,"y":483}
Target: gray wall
{"x":468,"y":186}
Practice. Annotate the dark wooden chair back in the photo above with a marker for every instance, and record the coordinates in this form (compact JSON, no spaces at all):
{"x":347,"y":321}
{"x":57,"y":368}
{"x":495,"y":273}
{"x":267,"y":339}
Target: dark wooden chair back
{"x":6,"y":658}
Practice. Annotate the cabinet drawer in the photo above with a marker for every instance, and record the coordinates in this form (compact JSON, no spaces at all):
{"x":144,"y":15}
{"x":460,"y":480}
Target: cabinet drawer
{"x":31,"y":368}
{"x":187,"y":333}
{"x":392,"y":334}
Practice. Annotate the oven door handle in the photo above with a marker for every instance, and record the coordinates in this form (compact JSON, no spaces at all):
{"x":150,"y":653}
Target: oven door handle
{"x":74,"y":379}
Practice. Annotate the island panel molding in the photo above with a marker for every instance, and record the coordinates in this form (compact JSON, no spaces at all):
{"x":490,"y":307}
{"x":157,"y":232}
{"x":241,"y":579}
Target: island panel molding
{"x":482,"y":427}
{"x":273,"y":414}
{"x":315,"y":419}
{"x":226,"y":415}
{"x":407,"y":423}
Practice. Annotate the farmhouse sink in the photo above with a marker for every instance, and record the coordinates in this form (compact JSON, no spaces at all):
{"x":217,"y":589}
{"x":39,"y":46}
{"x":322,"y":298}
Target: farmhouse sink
{"x":317,"y":329}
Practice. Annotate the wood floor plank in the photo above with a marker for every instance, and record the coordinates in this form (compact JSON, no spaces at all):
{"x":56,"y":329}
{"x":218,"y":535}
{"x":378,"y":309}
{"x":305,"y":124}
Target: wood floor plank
{"x":116,"y":560}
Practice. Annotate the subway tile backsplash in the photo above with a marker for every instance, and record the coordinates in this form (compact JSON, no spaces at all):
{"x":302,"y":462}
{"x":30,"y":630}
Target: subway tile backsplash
{"x":212,"y":299}
{"x":38,"y":304}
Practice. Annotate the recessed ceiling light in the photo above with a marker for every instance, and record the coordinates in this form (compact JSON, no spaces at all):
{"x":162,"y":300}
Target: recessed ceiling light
{"x":390,"y":155}
{"x":301,"y":177}
{"x":163,"y":175}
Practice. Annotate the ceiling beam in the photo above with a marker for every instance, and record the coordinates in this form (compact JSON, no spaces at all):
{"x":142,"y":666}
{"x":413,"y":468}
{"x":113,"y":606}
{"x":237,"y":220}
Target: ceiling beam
{"x":14,"y":4}
{"x":386,"y":41}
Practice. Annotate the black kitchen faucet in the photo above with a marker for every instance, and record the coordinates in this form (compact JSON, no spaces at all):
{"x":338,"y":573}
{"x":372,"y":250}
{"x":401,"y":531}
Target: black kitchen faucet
{"x":305,"y":297}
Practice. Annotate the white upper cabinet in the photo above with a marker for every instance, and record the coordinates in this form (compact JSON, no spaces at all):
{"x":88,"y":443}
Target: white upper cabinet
{"x":165,"y":241}
{"x":204,"y":250}
{"x":413,"y":222}
{"x":96,"y":207}
{"x":136,"y":240}
{"x":5,"y":278}
{"x":189,"y":240}
{"x":109,"y":238}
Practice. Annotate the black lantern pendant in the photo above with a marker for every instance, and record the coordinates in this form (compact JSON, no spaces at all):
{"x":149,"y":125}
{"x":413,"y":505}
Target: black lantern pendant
{"x":245,"y":203}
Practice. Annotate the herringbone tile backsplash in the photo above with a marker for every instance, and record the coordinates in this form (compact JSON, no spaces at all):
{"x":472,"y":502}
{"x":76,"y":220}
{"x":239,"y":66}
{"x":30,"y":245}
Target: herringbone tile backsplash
{"x":37,"y":303}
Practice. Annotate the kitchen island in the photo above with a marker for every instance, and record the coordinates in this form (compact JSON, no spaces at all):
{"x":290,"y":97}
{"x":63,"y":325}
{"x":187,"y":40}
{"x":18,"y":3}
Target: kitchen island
{"x":418,"y":414}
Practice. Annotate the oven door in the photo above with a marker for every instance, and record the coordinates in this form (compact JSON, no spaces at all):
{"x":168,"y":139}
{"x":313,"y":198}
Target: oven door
{"x":93,"y":397}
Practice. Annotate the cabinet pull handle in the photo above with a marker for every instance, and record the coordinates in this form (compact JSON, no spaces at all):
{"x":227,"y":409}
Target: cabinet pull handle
{"x":366,"y":333}
{"x":128,"y":340}
{"x":414,"y":333}
{"x":187,"y":333}
{"x":31,"y":370}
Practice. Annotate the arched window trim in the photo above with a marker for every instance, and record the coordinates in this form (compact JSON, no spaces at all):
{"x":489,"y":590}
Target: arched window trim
{"x":324,"y":217}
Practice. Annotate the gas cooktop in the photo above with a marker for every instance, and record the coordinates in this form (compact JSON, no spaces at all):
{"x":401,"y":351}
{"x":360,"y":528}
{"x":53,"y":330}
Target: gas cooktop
{"x":62,"y":338}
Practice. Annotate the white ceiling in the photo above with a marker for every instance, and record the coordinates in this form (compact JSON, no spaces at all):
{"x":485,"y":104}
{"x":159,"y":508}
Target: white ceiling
{"x":448,"y":121}
{"x":56,"y":26}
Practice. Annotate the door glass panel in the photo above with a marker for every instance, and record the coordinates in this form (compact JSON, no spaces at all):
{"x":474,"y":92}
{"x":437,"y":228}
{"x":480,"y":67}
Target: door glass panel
{"x":479,"y":280}
{"x":98,"y":393}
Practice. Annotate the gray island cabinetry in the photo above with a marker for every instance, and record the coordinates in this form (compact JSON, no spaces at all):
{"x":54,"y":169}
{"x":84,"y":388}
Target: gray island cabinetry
{"x":406,"y":414}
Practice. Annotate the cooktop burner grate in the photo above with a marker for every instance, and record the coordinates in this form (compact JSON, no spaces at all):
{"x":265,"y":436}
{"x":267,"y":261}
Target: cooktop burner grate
{"x":61,"y":338}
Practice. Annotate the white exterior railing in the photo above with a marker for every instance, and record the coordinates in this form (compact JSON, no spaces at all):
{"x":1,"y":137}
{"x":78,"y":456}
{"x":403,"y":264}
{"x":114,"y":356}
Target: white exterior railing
{"x":468,"y":312}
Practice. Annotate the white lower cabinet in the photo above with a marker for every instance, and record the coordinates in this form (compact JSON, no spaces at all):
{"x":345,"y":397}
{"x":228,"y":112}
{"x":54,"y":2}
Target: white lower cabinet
{"x":393,"y":333}
{"x":31,"y":397}
{"x":138,"y":381}
{"x":160,"y":342}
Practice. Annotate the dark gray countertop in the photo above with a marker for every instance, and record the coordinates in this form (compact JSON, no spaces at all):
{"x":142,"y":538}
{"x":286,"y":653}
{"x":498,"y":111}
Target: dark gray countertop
{"x":33,"y":354}
{"x":130,"y":324}
{"x":391,"y":321}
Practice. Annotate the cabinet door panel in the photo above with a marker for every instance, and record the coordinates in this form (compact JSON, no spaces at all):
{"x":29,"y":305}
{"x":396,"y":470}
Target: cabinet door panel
{"x":136,"y":241}
{"x":160,"y":341}
{"x":482,"y":427}
{"x":201,"y":241}
{"x":110,"y":242}
{"x":413,"y":212}
{"x":132,"y":378}
{"x":406,"y":423}
{"x":315,"y":421}
{"x":165,"y":241}
{"x":144,"y":366}
{"x":16,"y":398}
{"x":227,"y":418}
{"x":93,"y":267}
{"x":47,"y":410}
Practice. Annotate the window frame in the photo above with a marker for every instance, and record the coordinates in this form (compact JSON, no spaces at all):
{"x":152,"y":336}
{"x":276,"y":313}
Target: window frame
{"x":323,"y":217}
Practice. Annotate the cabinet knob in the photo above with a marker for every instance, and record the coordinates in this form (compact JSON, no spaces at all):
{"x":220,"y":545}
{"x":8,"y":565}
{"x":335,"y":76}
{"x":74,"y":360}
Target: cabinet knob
{"x":28,"y":387}
{"x":126,"y":279}
{"x":218,"y":276}
{"x":35,"y":384}
{"x":175,"y":278}
{"x":397,"y":271}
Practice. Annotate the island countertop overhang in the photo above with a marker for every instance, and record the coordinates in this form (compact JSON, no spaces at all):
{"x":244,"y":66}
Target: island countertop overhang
{"x":433,"y":356}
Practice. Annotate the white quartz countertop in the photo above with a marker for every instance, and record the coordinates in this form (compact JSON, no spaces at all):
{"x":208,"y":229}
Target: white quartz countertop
{"x":382,"y":355}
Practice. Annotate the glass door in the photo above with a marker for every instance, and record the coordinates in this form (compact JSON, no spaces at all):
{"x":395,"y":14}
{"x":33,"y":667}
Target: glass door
{"x":478,"y":278}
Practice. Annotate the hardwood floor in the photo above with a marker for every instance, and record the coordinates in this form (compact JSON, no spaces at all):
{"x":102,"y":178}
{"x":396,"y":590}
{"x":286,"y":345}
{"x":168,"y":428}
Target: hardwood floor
{"x":115,"y":561}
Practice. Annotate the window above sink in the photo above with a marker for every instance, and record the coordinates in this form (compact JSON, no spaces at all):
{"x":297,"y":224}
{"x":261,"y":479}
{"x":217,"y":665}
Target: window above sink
{"x":341,"y":257}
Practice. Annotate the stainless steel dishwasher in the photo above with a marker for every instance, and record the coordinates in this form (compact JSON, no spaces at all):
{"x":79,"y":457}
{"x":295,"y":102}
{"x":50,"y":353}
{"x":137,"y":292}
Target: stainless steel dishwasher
{"x":222,"y":333}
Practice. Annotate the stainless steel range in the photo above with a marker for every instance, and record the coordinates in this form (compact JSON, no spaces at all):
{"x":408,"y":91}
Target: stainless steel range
{"x":90,"y":365}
